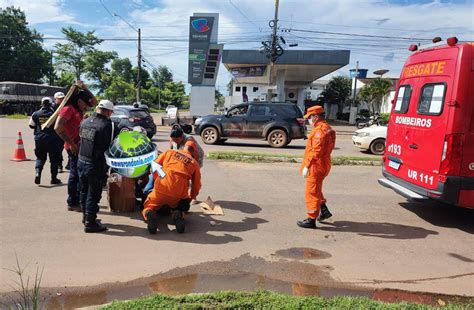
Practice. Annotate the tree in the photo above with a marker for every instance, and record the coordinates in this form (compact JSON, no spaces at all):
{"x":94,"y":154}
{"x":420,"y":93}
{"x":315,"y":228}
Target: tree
{"x":374,"y":92}
{"x":72,"y":55}
{"x":119,"y":90}
{"x":220,"y":100}
{"x":230,"y":87}
{"x":161,"y":76}
{"x":65,"y":79}
{"x":96,"y":70}
{"x":145,"y":77}
{"x":22,"y":57}
{"x":123,"y":67}
{"x":172,"y":93}
{"x":337,"y":91}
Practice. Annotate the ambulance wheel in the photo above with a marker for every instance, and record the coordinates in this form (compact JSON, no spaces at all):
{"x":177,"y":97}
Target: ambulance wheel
{"x":277,"y":138}
{"x":210,"y":135}
{"x":377,"y":147}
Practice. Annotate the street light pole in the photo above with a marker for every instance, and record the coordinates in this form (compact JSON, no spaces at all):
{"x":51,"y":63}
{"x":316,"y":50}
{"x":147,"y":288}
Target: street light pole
{"x":139,"y":77}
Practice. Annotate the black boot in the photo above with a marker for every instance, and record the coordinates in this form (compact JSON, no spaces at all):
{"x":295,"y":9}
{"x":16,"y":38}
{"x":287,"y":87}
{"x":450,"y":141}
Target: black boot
{"x":307,"y":223}
{"x":38,"y":176}
{"x":92,"y":225}
{"x":178,"y":221}
{"x":55,"y":180}
{"x":324,"y":214}
{"x":152,"y":221}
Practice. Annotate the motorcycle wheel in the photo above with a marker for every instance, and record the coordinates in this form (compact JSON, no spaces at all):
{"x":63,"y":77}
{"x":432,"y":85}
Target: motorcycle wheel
{"x":360,"y":125}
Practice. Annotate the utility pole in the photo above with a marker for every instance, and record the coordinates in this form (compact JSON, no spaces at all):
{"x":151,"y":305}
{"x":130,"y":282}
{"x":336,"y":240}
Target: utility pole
{"x":139,"y":76}
{"x":275,"y":26}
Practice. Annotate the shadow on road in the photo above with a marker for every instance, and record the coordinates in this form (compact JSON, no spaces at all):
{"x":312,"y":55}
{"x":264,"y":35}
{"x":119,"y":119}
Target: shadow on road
{"x":443,"y":215}
{"x":54,"y":185}
{"x":379,"y":230}
{"x":199,"y":227}
{"x":244,"y":207}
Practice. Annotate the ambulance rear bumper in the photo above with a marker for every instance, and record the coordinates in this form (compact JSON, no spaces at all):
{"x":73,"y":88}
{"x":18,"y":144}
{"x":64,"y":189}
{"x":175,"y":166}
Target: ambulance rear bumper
{"x":405,"y":192}
{"x":447,"y":192}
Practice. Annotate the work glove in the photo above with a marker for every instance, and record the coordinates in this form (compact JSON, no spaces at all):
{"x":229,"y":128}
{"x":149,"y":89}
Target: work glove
{"x":305,"y":172}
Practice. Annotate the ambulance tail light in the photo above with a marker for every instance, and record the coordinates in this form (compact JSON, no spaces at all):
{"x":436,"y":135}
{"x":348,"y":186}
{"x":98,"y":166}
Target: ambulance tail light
{"x":452,"y":153}
{"x":452,"y":41}
{"x":413,"y":48}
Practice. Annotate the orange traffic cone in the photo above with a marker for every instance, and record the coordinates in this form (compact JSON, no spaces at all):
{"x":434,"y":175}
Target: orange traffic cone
{"x":19,"y":154}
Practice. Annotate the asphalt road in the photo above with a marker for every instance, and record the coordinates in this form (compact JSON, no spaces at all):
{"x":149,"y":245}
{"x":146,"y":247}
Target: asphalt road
{"x":375,"y":239}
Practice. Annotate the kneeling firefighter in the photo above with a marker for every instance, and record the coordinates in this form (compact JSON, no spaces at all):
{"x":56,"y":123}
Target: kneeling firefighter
{"x":171,"y":189}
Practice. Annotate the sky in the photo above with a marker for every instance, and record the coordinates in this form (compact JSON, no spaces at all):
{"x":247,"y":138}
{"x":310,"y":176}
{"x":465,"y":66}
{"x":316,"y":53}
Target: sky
{"x":243,"y":24}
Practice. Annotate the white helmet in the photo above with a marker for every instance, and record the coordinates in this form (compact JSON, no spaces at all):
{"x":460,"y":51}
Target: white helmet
{"x":106,"y":104}
{"x":59,"y":95}
{"x":45,"y":99}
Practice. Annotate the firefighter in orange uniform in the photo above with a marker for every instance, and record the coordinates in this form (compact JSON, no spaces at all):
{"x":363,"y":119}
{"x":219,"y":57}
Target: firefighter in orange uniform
{"x":316,"y":166}
{"x":172,"y":190}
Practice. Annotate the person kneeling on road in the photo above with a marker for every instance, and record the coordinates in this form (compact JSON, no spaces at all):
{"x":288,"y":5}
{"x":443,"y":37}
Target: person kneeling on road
{"x":172,"y":189}
{"x":96,"y":132}
{"x":181,"y":141}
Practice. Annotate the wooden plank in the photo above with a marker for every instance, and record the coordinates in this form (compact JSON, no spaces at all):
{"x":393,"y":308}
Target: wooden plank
{"x":52,"y":119}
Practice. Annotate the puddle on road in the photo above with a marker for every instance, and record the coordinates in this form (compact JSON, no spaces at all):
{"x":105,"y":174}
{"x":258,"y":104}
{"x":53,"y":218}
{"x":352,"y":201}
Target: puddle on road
{"x":302,"y":253}
{"x":244,"y":273}
{"x":193,"y":283}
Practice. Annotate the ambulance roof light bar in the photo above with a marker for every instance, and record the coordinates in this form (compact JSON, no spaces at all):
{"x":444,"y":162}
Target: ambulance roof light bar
{"x":436,"y":43}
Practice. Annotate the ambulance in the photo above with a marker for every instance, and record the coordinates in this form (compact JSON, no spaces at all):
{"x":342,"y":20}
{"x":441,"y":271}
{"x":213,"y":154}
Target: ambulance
{"x":429,"y":152}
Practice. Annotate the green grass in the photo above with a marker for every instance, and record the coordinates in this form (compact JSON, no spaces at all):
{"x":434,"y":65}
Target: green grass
{"x":262,"y":300}
{"x":17,"y":116}
{"x":269,"y":157}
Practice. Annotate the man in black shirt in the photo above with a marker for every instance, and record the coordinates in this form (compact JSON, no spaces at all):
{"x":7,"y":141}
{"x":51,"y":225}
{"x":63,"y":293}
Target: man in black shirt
{"x":45,"y":142}
{"x":96,"y":133}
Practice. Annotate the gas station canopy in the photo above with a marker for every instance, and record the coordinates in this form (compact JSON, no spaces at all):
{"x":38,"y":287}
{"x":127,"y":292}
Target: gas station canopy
{"x":299,"y":66}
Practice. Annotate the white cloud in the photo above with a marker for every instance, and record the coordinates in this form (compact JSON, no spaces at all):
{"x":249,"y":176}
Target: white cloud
{"x":244,"y":24}
{"x":45,"y":11}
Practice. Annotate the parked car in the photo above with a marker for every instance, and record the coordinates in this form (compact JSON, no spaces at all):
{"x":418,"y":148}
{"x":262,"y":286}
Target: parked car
{"x":276,"y":122}
{"x":371,"y":138}
{"x":127,"y":117}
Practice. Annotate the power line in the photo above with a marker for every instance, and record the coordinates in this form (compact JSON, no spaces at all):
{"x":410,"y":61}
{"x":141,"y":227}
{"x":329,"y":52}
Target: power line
{"x":245,"y":16}
{"x":106,"y":8}
{"x":356,"y":34}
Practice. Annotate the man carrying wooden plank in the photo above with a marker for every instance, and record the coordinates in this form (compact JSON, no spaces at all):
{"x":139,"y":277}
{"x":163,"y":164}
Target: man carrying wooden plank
{"x":67,"y":127}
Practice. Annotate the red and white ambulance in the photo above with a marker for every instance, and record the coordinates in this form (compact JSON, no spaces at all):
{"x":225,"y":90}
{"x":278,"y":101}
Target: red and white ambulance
{"x":429,"y":150}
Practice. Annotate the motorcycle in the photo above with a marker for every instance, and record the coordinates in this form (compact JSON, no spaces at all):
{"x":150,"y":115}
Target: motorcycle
{"x":362,"y":121}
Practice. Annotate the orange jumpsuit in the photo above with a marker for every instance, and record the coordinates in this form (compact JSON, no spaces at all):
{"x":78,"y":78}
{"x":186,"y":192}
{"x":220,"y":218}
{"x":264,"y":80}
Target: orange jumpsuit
{"x":180,"y":169}
{"x":317,"y":158}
